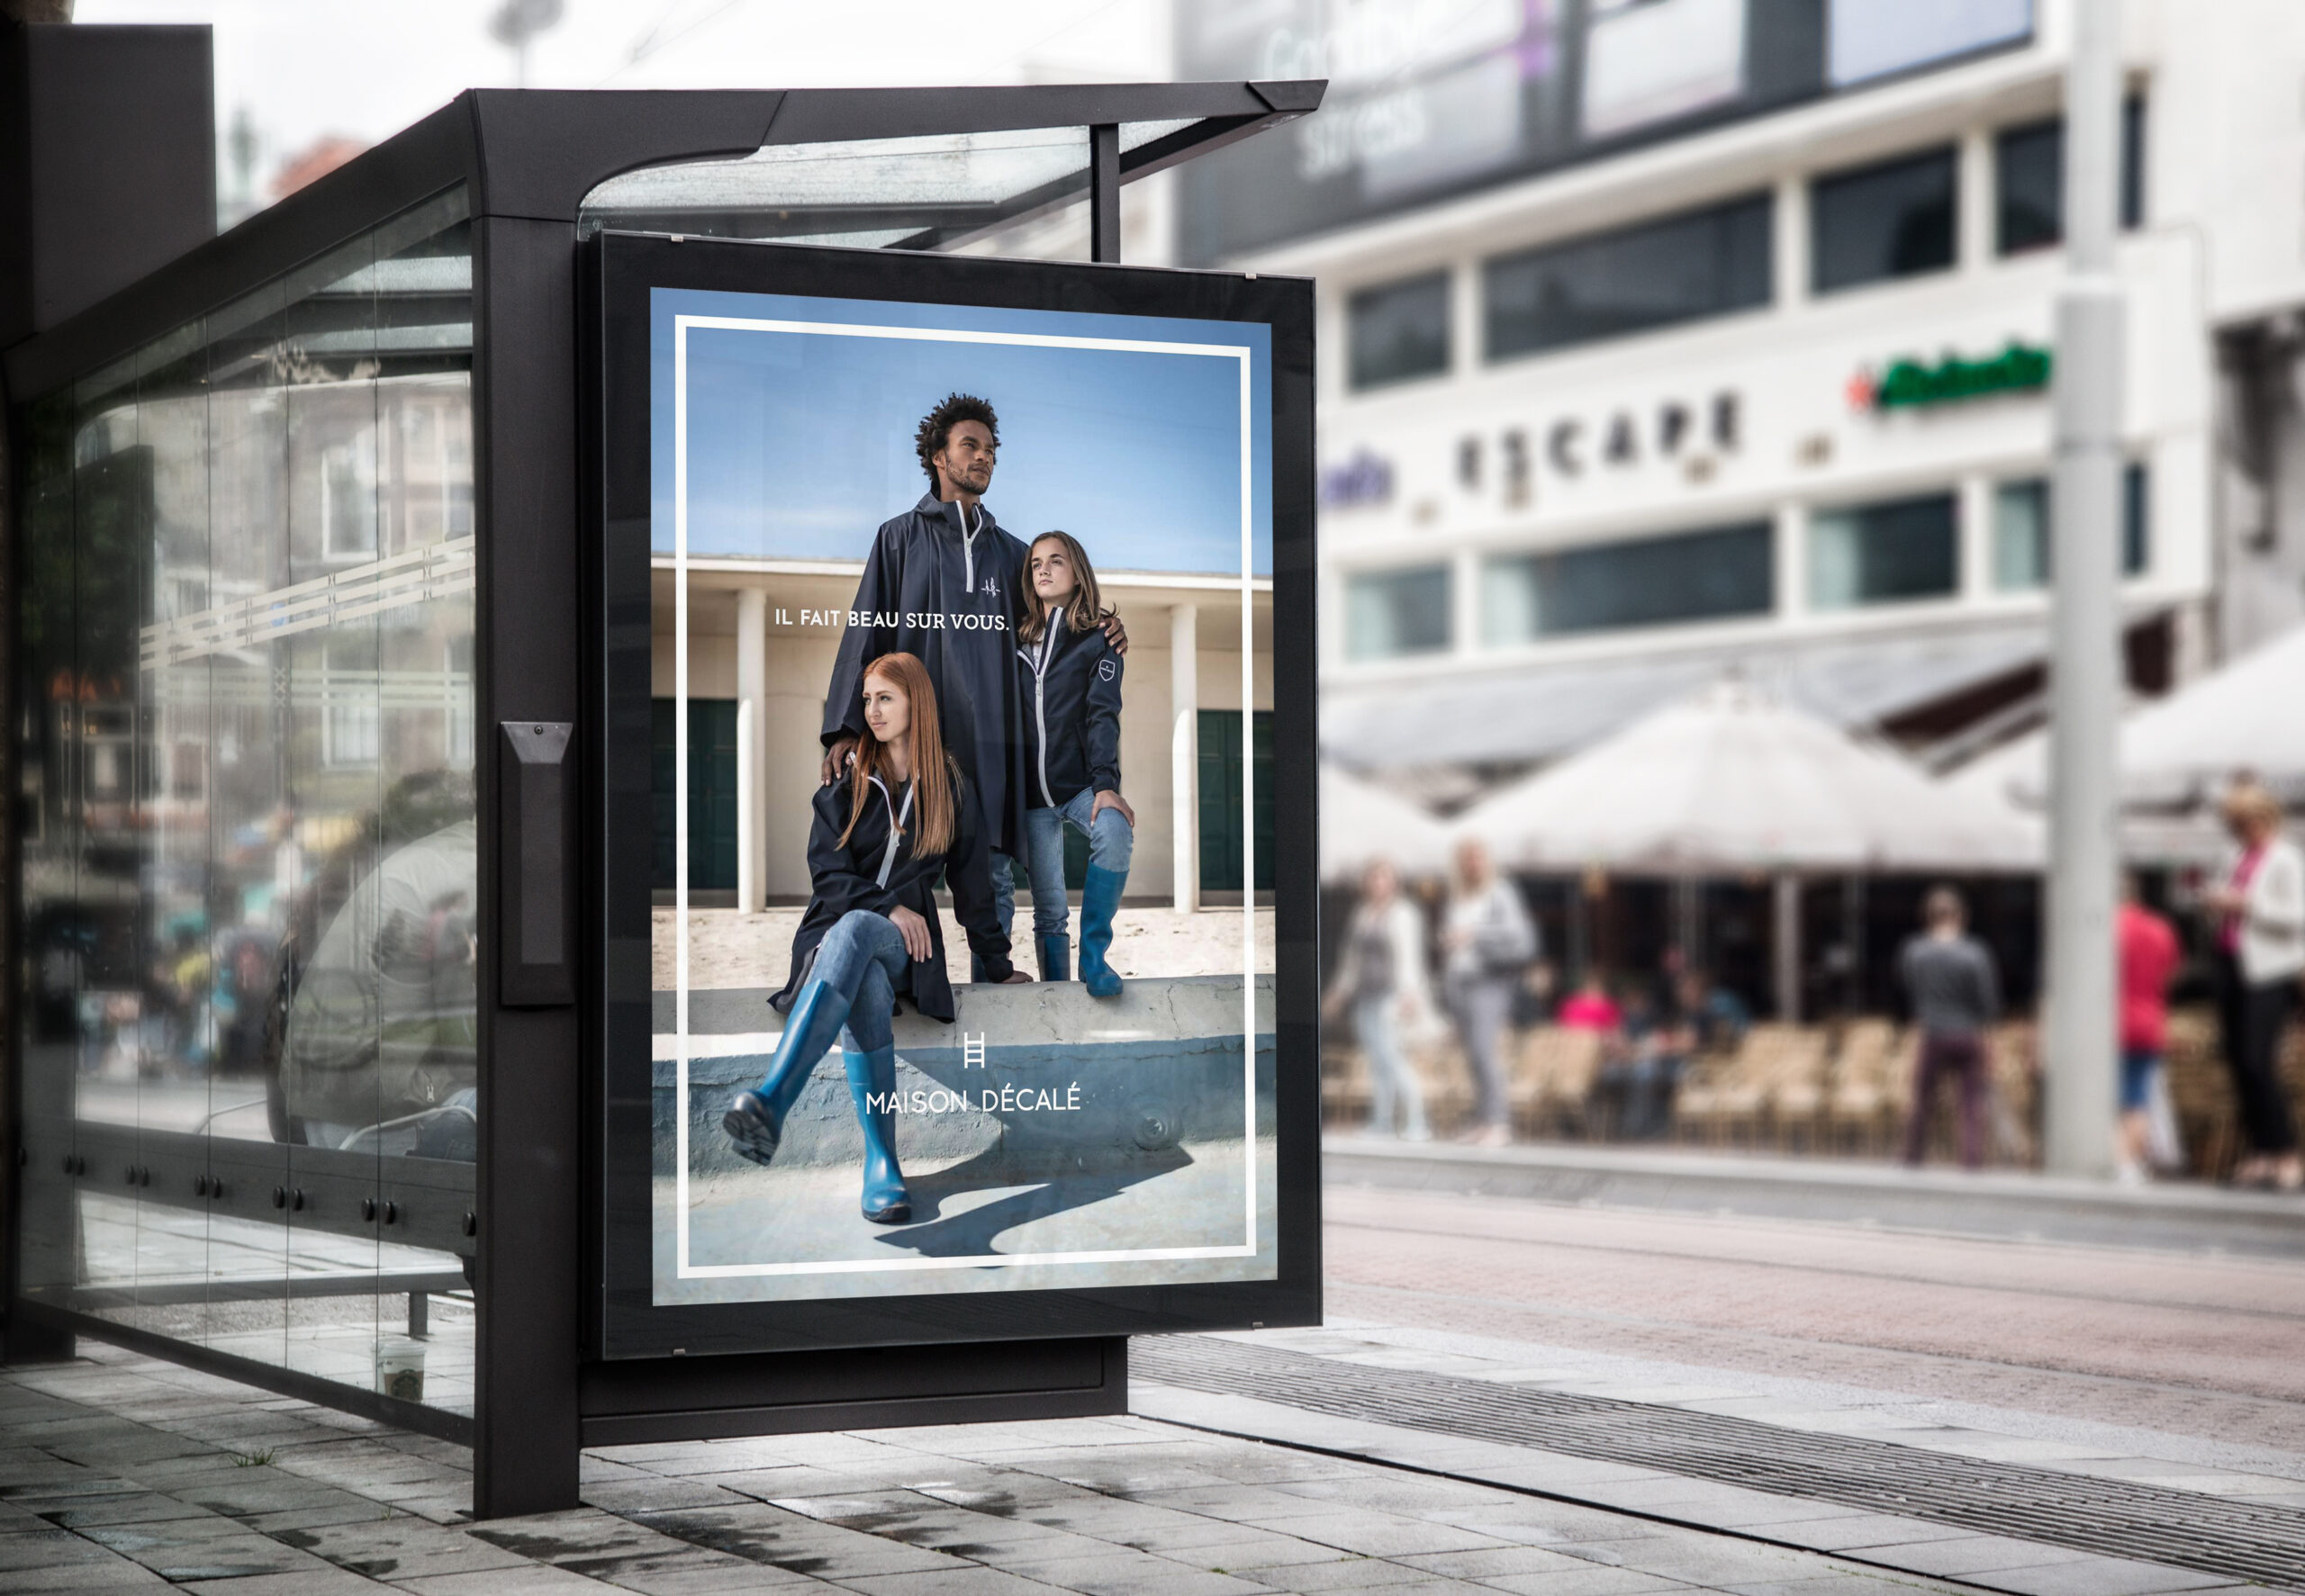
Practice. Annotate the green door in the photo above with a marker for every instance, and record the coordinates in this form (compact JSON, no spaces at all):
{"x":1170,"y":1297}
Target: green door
{"x":711,"y":794}
{"x":1221,"y":831}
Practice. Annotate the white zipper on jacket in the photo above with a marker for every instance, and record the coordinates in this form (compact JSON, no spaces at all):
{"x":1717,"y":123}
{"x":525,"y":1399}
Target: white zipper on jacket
{"x":968,"y":548}
{"x":896,"y":822}
{"x":1039,"y":699}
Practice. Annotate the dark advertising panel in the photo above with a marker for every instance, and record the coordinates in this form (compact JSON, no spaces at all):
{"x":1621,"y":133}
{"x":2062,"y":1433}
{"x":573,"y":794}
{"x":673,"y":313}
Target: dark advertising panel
{"x":1432,"y":97}
{"x":960,"y":863}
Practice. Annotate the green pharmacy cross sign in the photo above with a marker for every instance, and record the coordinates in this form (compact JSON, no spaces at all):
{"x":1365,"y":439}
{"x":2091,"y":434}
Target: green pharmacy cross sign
{"x":1911,"y":385}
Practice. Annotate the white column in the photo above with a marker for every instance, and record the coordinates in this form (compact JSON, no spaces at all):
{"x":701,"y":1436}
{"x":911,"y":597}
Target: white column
{"x":2084,"y":615}
{"x":1184,"y":753}
{"x":752,"y":709}
{"x":1977,"y":534}
{"x":1792,"y":532}
{"x":1791,"y":245}
{"x":1977,"y":201}
{"x":1465,"y":339}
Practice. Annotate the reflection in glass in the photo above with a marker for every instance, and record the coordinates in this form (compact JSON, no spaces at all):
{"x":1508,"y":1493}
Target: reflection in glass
{"x":249,"y":1011}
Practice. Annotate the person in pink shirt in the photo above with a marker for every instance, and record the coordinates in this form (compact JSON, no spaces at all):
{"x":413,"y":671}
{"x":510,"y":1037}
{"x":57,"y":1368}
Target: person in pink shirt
{"x":1590,"y":1007}
{"x":2148,"y":958}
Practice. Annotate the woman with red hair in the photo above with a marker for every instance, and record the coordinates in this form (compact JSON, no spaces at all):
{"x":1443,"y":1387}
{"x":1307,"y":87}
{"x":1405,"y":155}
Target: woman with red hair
{"x":878,"y":843}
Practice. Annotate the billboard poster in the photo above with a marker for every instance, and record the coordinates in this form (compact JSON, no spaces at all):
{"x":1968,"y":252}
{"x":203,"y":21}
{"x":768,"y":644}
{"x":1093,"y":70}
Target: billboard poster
{"x":961,"y":681}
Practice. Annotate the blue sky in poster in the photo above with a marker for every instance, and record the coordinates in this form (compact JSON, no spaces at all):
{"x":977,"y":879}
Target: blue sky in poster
{"x":800,"y":444}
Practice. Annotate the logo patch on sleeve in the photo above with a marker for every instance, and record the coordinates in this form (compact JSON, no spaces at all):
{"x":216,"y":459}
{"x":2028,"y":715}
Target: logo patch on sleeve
{"x":1106,"y":670}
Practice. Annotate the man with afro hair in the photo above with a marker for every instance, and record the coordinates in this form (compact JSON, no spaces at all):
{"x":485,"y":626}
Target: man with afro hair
{"x":944,"y":582}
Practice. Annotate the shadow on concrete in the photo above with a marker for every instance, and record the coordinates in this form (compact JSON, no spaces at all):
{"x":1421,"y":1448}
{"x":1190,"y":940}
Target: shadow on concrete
{"x":971,"y":1232}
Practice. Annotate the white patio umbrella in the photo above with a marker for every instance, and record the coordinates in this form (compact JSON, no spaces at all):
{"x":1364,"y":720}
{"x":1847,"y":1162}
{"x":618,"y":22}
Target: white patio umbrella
{"x":1732,"y":780}
{"x":2179,"y":752}
{"x":1361,"y":823}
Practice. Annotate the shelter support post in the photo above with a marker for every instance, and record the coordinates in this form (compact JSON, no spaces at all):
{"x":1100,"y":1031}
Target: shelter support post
{"x":2084,"y":658}
{"x":751,"y":709}
{"x":1104,"y":191}
{"x":1184,"y":754}
{"x":531,"y":1168}
{"x":1785,"y":946}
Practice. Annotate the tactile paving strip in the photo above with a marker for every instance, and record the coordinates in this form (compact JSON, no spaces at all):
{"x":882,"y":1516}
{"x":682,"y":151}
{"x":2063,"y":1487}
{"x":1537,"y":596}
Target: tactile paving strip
{"x":2112,"y":1518}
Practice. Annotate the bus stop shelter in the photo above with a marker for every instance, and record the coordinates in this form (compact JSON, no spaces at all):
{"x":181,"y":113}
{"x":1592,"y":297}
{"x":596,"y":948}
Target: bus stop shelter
{"x":300,"y":1056}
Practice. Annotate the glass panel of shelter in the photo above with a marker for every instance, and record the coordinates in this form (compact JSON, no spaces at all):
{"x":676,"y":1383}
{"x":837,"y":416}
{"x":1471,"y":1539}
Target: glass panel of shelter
{"x":248,"y":1017}
{"x":57,"y":947}
{"x":974,"y":192}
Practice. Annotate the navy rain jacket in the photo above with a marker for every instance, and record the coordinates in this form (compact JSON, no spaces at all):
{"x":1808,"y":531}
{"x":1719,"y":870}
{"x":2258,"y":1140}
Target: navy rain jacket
{"x":949,"y":598}
{"x":1070,"y":682}
{"x":848,"y":877}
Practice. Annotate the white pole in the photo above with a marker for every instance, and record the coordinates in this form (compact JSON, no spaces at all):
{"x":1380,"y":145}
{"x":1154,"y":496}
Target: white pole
{"x":1184,"y":754}
{"x":2085,"y":659}
{"x":752,"y":710}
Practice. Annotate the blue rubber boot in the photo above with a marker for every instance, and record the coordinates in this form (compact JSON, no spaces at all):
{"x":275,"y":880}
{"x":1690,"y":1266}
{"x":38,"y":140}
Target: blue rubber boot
{"x":1099,"y":896}
{"x":871,"y":1087}
{"x":1056,"y":957}
{"x":756,"y":1120}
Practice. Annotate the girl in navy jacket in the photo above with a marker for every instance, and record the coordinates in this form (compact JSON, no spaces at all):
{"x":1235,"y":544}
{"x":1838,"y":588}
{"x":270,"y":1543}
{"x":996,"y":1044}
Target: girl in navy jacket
{"x":1070,"y":677}
{"x":871,"y":934}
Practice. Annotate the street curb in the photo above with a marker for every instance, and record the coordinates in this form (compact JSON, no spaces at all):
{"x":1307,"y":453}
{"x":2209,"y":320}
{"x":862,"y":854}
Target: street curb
{"x":2000,"y":1204}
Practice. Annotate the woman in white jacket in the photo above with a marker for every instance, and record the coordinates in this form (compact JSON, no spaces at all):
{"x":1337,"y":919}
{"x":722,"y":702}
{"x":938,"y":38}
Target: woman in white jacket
{"x":1488,"y":941}
{"x":2260,"y":898}
{"x":1381,"y":982}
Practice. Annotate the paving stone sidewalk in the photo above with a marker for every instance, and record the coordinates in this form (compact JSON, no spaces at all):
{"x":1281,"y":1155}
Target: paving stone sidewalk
{"x":120,"y":1474}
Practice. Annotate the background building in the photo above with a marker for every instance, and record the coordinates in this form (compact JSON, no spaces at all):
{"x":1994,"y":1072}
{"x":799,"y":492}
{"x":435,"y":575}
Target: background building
{"x":1665,"y":338}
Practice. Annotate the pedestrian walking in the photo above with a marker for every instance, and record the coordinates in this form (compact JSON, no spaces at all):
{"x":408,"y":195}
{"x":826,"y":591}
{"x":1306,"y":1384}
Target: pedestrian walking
{"x":1381,"y":983}
{"x":2260,"y":903}
{"x":2148,"y":958}
{"x":1487,"y":940}
{"x":1955,"y":994}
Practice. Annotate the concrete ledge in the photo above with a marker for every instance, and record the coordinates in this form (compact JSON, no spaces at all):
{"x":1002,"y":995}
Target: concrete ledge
{"x":1999,"y":1203}
{"x":1061,"y":1081}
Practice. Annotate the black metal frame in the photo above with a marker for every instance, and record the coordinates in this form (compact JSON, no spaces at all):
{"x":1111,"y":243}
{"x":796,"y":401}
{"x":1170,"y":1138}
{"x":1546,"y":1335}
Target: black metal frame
{"x":624,"y":269}
{"x":528,"y":159}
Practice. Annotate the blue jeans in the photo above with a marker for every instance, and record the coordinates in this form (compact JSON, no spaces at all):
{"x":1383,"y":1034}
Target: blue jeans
{"x":863,"y":959}
{"x":1392,"y":1083}
{"x":1111,"y":843}
{"x":2137,"y":1065}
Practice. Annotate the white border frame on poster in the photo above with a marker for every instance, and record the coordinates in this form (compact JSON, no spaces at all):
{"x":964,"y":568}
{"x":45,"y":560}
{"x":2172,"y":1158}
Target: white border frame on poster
{"x":1244,"y":355}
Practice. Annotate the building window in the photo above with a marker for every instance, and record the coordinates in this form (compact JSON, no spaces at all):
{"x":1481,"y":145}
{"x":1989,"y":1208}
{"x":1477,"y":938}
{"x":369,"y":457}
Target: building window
{"x":1391,"y":613}
{"x":1895,"y":219}
{"x":2029,"y":180}
{"x":1400,"y":331}
{"x":1880,"y":554}
{"x":2021,"y":530}
{"x":1682,"y":268}
{"x":2021,"y":536}
{"x":1713,"y":574}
